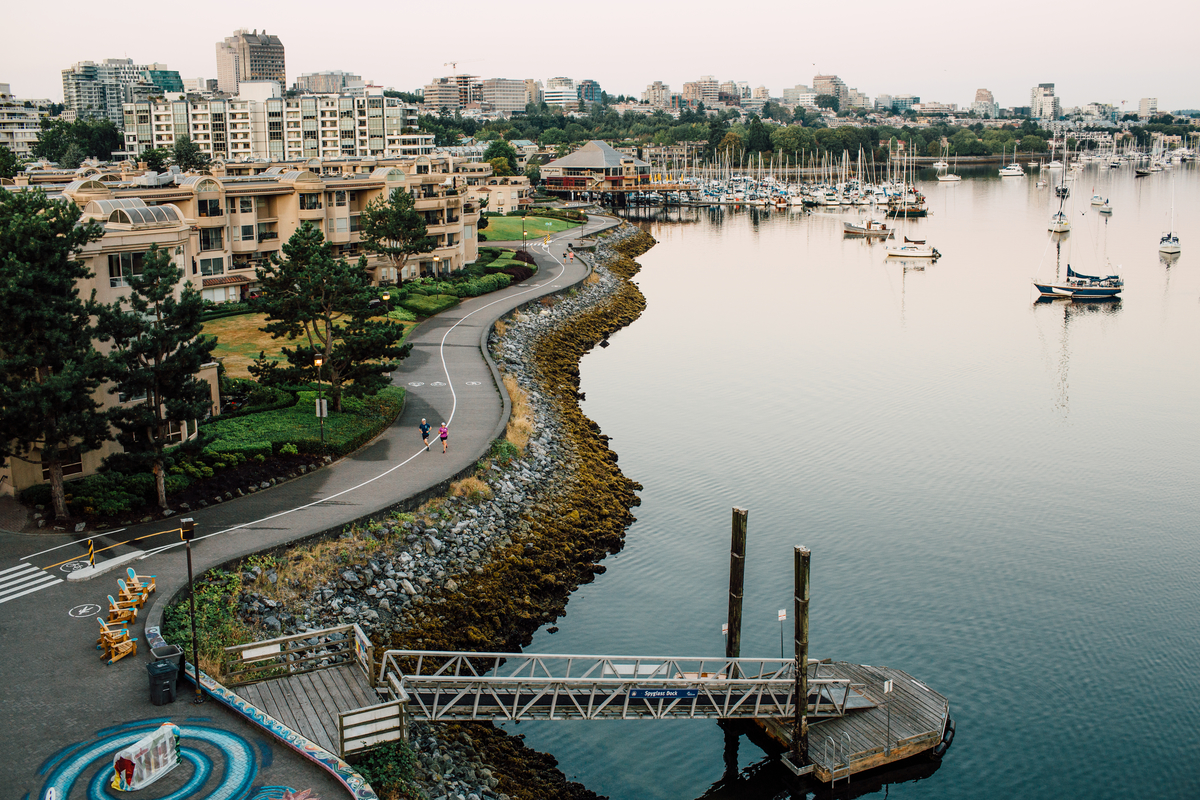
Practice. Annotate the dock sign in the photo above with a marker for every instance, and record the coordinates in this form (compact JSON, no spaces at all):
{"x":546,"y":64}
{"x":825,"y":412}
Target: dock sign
{"x":662,"y":694}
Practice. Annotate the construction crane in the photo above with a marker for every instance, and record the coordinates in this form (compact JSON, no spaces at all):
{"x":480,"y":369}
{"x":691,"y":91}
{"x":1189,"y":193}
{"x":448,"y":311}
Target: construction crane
{"x":454,"y":64}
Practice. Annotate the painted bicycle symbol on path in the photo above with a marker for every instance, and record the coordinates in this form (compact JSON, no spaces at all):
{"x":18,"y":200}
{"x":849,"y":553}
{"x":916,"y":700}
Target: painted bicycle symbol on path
{"x":84,"y":611}
{"x":415,"y":383}
{"x":71,"y":566}
{"x":474,"y":383}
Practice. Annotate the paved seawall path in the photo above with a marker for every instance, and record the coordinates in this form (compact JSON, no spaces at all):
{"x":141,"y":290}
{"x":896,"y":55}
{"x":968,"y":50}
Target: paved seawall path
{"x":57,"y":691}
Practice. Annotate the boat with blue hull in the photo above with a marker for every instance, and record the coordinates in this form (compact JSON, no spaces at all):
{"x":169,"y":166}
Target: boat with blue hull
{"x":1083,"y":287}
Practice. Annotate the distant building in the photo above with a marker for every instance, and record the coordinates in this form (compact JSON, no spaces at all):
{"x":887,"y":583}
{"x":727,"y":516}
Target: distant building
{"x":561,"y":92}
{"x":595,"y":167}
{"x":884,"y":102}
{"x":99,"y":90}
{"x":792,"y":94}
{"x":330,"y":82}
{"x":904,"y":102}
{"x":657,"y":94}
{"x":1043,"y":104}
{"x":589,"y":92}
{"x":503,"y":95}
{"x":162,"y":79}
{"x":441,"y":93}
{"x":832,"y":85}
{"x":985,"y":105}
{"x":533,"y":91}
{"x":20,"y":122}
{"x":249,"y":56}
{"x":1147,"y":107}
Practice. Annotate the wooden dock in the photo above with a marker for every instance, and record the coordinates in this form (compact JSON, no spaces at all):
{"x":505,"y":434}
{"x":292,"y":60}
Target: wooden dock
{"x":868,"y":736}
{"x":311,"y":703}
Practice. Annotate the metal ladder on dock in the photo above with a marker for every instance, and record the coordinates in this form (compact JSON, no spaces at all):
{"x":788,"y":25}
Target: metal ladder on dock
{"x":841,"y":754}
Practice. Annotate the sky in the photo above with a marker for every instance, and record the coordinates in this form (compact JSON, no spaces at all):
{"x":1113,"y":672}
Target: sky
{"x":1091,"y":51}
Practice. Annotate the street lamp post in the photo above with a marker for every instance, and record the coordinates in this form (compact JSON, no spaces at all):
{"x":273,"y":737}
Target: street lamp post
{"x":524,"y":240}
{"x":187,"y":532}
{"x":436,"y":259}
{"x":317,"y":362}
{"x":386,"y":297}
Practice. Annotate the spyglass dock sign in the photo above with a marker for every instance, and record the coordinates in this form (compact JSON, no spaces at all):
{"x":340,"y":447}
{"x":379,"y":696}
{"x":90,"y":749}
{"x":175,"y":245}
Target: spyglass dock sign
{"x":662,"y":694}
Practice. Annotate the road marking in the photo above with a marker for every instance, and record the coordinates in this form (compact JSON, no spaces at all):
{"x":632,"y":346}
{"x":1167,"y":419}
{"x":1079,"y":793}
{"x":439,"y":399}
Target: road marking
{"x":71,"y":566}
{"x":25,"y":579}
{"x":416,"y":383}
{"x":437,"y":383}
{"x":68,"y":544}
{"x":84,"y":611}
{"x":474,"y":383}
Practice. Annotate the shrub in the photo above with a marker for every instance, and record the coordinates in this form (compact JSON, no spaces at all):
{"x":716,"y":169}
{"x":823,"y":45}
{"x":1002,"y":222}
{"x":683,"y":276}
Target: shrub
{"x":503,"y":451}
{"x":473,"y":489}
{"x":402,"y":315}
{"x":518,"y":272}
{"x":389,"y":768}
{"x":427,"y":306}
{"x":217,"y":622}
{"x":36,"y":495}
{"x":522,"y":255}
{"x":288,"y":449}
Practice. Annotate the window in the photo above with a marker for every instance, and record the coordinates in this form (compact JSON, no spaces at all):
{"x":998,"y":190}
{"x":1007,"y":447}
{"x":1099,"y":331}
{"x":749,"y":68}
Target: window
{"x":210,"y":208}
{"x":212,"y":239}
{"x":212,"y":266}
{"x":174,"y":431}
{"x":339,"y":198}
{"x":123,"y":266}
{"x":231,"y":205}
{"x":246,"y":205}
{"x":354,"y":223}
{"x":123,"y":397}
{"x":341,"y":225}
{"x":247,"y":233}
{"x":72,"y":462}
{"x":310,"y":202}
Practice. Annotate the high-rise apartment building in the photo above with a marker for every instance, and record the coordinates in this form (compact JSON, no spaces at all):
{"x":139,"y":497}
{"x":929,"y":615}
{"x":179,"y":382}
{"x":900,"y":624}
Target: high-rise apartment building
{"x":249,"y":56}
{"x":1147,"y":107}
{"x":1042,"y":102}
{"x":533,"y":91}
{"x":330,"y":82}
{"x":834,"y":86}
{"x":657,"y":94}
{"x":442,"y":93}
{"x":99,"y":90}
{"x":589,"y":92}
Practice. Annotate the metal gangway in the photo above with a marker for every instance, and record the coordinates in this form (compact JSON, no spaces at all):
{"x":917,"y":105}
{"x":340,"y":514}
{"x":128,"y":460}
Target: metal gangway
{"x":461,"y":685}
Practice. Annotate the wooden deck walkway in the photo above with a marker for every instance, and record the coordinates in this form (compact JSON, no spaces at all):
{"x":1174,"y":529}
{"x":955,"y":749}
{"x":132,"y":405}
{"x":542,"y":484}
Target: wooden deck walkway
{"x":864,"y":739}
{"x":309,"y":703}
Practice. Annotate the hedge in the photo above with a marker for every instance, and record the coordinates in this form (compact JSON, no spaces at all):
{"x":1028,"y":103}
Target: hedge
{"x":428,"y":305}
{"x":262,"y":398}
{"x":361,"y":420}
{"x":221,"y":310}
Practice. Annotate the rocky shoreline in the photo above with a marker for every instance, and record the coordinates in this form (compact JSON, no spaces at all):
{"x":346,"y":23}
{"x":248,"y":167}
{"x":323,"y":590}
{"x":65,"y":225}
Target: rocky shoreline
{"x":480,"y":572}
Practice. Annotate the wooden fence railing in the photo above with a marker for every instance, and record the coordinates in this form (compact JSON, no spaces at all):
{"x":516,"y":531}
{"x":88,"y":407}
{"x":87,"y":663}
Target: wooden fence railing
{"x":298,"y":653}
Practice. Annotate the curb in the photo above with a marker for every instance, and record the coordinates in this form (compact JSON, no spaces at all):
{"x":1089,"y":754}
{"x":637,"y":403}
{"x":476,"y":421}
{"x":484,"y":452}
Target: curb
{"x":87,"y":573}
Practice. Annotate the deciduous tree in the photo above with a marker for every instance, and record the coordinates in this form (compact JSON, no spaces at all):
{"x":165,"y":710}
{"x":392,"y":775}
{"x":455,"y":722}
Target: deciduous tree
{"x":188,"y":155}
{"x":502,"y":149}
{"x":8,"y":162}
{"x":157,"y":350}
{"x":49,"y":368}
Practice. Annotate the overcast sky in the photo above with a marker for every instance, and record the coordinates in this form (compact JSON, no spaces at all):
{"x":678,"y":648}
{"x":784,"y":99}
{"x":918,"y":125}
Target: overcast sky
{"x":1105,"y":52}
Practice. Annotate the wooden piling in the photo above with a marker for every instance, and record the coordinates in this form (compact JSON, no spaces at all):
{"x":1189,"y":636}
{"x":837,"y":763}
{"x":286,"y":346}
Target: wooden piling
{"x":800,"y":727}
{"x":737,"y":580}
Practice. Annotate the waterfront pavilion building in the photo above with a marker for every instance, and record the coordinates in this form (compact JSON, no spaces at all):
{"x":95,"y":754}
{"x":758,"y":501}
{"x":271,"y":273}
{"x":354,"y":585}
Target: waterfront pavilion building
{"x":595,"y":167}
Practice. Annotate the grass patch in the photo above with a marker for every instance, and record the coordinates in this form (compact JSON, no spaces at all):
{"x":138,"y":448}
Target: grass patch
{"x":428,"y":305}
{"x":508,"y":229}
{"x":473,"y":489}
{"x":520,"y":421}
{"x":359,"y":421}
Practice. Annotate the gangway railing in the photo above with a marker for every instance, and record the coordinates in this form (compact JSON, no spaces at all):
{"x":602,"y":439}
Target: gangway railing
{"x":445,"y":686}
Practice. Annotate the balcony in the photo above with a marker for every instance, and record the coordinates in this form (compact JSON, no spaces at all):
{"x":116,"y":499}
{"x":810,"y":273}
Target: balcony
{"x":266,"y":235}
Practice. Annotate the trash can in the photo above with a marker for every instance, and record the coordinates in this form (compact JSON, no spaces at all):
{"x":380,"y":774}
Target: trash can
{"x":163,"y":674}
{"x":174,"y":654}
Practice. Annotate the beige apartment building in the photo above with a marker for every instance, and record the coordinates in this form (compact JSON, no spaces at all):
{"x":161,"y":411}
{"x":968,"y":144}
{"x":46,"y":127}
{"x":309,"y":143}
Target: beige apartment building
{"x":220,"y":227}
{"x":279,"y":129}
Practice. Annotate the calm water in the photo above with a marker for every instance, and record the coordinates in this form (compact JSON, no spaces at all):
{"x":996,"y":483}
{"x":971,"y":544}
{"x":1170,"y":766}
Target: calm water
{"x":1000,"y":496}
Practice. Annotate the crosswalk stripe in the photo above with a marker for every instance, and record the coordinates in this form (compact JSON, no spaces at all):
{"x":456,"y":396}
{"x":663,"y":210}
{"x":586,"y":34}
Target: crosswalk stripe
{"x":18,"y":577}
{"x":14,"y":569}
{"x":41,"y":577}
{"x":37,"y":588}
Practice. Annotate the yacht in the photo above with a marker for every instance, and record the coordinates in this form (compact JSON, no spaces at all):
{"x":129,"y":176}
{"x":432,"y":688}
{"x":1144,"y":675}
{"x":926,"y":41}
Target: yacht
{"x":1012,"y":170}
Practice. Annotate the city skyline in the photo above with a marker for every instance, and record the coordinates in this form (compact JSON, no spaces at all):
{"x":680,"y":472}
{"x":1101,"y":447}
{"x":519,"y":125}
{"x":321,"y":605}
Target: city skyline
{"x":940,"y":60}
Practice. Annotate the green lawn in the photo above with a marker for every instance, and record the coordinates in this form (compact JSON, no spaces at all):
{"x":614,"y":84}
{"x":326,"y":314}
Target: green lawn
{"x":508,"y":229}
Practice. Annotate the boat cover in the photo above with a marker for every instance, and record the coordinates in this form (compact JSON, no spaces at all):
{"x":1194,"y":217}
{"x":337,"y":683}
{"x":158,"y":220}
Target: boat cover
{"x":1073,"y":274}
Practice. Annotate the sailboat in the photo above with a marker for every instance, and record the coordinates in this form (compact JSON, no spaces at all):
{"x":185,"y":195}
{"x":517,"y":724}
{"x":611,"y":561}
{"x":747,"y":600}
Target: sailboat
{"x":1169,"y":243}
{"x":1012,"y":170}
{"x":1082,"y":287}
{"x":951,"y":177}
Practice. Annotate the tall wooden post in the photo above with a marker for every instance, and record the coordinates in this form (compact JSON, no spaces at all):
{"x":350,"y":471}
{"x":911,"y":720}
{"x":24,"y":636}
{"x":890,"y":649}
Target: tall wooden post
{"x":800,"y":728}
{"x":737,"y":579}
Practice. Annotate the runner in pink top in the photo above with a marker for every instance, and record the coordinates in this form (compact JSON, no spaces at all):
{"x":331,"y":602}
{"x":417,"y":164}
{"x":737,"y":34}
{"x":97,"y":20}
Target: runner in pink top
{"x":444,"y":433}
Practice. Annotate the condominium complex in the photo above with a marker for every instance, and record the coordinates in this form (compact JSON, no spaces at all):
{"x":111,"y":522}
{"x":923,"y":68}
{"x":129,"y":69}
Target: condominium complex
{"x":249,"y":56}
{"x":589,"y":92}
{"x":1147,"y":107}
{"x":1042,"y":102}
{"x":310,"y":126}
{"x":100,"y":90}
{"x":20,"y":121}
{"x":533,"y":91}
{"x":332,"y":82}
{"x":832,"y":85}
{"x":657,"y":94}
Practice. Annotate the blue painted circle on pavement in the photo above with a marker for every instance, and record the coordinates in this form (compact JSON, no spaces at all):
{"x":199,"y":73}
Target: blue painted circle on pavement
{"x":201,"y":769}
{"x":239,"y":769}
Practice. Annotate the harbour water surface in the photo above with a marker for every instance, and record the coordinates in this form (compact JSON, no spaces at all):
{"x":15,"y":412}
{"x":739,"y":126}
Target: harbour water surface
{"x":1000,"y":495}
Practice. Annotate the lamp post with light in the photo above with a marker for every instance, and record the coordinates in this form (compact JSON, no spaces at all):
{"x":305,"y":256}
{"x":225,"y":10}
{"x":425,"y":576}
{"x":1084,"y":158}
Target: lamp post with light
{"x":524,"y":235}
{"x":187,"y":532}
{"x":317,"y":362}
{"x":436,"y":259}
{"x":386,"y":296}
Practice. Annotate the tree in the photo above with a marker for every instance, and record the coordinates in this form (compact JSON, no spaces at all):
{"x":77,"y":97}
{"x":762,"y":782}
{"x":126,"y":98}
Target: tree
{"x":534,"y":173}
{"x":49,"y":368}
{"x":156,"y":352}
{"x":155,"y":158}
{"x":394,"y":228}
{"x":758,"y":140}
{"x":8,"y":162}
{"x":188,"y":155}
{"x":328,"y":306}
{"x":72,"y":157}
{"x":502,"y":149}
{"x":829,"y":101}
{"x":500,"y":167}
{"x":731,"y":146}
{"x":1033,"y":144}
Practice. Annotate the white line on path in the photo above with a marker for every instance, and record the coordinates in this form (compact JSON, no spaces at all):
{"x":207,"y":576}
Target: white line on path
{"x":385,"y":473}
{"x":68,"y":544}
